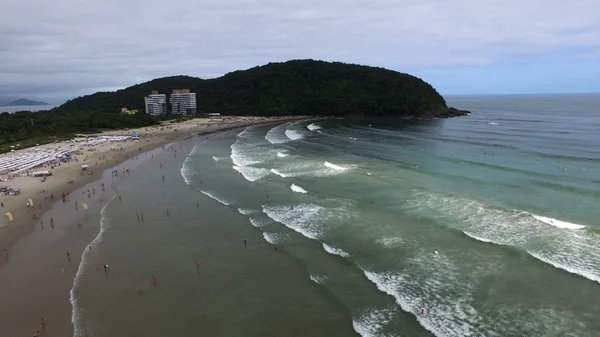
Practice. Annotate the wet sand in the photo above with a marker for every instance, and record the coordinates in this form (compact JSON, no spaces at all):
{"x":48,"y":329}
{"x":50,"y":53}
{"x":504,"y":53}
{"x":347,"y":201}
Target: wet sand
{"x":36,"y":279}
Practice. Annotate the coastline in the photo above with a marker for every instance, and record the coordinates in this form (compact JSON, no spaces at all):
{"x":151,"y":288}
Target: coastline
{"x":33,"y":256}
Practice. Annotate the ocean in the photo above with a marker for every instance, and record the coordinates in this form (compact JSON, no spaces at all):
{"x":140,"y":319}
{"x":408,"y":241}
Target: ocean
{"x":12,"y":109}
{"x":485,"y":225}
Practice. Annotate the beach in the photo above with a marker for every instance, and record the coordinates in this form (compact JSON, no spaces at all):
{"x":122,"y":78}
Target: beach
{"x":37,"y":263}
{"x":483,"y":225}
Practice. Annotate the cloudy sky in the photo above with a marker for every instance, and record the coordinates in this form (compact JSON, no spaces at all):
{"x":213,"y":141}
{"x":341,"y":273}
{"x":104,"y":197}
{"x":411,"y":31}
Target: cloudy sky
{"x":58,"y":49}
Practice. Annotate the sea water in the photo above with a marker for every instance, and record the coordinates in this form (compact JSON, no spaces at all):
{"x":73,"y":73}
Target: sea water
{"x":485,"y":225}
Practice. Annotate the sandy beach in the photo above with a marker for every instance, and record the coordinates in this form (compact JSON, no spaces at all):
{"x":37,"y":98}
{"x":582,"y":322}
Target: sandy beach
{"x":37,"y":274}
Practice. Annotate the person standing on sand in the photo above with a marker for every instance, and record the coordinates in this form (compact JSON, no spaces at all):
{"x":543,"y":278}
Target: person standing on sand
{"x":6,"y":254}
{"x":42,"y":323}
{"x":42,"y":223}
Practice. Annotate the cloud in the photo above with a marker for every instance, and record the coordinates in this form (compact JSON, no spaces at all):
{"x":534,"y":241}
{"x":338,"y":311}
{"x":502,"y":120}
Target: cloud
{"x":65,"y":48}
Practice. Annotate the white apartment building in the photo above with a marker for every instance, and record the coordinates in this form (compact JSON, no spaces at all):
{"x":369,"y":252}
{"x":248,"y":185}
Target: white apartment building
{"x":156,"y":104}
{"x":183,"y":102}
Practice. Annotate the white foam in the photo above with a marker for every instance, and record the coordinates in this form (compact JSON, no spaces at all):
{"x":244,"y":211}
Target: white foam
{"x":301,"y":219}
{"x":217,"y":198}
{"x":313,"y":127}
{"x":389,"y":242}
{"x":219,"y":158}
{"x":277,"y":134}
{"x":557,"y":223}
{"x":242,"y":154}
{"x":445,"y":315}
{"x":279,"y":173}
{"x":282,"y":154}
{"x":104,"y":225}
{"x":492,"y":123}
{"x":319,"y":279}
{"x":258,"y":223}
{"x":246,"y":211}
{"x":293,"y":134}
{"x":371,"y":322}
{"x":565,"y":245}
{"x":297,"y":188}
{"x":335,"y":167}
{"x":571,"y":269}
{"x":481,"y":239}
{"x":275,"y":238}
{"x":252,"y":173}
{"x":335,"y":251}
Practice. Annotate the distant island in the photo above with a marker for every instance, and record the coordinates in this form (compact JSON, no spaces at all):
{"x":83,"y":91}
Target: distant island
{"x":24,"y":102}
{"x":298,"y":87}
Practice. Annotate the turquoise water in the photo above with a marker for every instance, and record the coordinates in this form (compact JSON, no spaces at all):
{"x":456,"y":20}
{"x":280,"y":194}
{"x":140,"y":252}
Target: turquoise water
{"x":478,"y":226}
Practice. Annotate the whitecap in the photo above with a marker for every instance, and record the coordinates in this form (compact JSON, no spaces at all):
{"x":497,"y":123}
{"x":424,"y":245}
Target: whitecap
{"x":319,"y":279}
{"x":480,"y":238}
{"x":313,"y":127}
{"x":279,"y":173}
{"x":252,"y":173}
{"x":335,"y":167}
{"x":217,"y":198}
{"x":302,"y":218}
{"x":219,"y":158}
{"x":293,"y":134}
{"x":277,"y":135}
{"x":558,"y":223}
{"x":258,"y":223}
{"x":246,"y":211}
{"x":572,"y":249}
{"x":335,"y":251}
{"x":297,"y":188}
{"x":282,"y":154}
{"x":275,"y":238}
{"x":371,"y":322}
{"x":573,"y":269}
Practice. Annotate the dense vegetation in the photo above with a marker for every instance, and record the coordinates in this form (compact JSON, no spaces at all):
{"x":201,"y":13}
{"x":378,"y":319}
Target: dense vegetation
{"x":300,"y":87}
{"x":29,"y":128}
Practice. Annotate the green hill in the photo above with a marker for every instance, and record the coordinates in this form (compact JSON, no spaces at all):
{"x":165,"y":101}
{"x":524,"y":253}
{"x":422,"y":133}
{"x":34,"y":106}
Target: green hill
{"x":299,"y":87}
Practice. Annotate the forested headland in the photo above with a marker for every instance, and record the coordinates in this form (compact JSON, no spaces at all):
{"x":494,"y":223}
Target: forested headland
{"x":298,"y":87}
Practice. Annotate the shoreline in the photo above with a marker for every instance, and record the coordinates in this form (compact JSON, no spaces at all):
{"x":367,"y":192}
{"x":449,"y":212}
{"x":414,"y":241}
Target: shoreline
{"x":23,"y":236}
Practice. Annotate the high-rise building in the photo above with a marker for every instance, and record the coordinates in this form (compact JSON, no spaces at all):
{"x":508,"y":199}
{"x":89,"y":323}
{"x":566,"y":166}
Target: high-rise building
{"x":183,"y":102}
{"x":156,"y":104}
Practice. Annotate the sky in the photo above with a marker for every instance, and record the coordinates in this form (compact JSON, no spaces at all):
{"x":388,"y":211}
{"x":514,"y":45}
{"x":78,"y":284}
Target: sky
{"x":60,"y":49}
